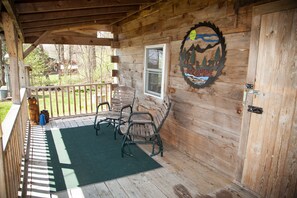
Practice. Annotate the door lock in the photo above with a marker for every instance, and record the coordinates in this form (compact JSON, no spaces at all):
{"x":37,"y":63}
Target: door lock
{"x":249,"y":89}
{"x":254,"y":109}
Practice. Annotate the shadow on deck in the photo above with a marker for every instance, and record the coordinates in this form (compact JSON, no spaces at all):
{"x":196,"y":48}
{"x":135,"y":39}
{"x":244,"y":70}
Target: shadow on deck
{"x":179,"y":176}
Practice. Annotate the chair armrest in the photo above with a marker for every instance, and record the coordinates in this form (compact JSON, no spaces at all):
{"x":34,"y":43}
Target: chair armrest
{"x":101,"y":104}
{"x":125,"y":107}
{"x":142,"y":122}
{"x":139,"y":113}
{"x":121,"y":113}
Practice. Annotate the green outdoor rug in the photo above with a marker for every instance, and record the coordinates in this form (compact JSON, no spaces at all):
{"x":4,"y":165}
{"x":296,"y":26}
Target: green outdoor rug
{"x":78,"y":157}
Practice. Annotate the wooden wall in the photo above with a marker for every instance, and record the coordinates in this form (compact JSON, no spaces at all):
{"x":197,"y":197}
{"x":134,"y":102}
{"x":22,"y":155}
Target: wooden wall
{"x":204,"y":123}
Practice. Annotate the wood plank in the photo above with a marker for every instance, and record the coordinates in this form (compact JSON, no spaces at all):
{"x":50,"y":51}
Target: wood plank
{"x":102,"y":190}
{"x":72,"y":40}
{"x":2,"y":170}
{"x":68,"y":100}
{"x":74,"y":25}
{"x":22,"y":68}
{"x":86,"y":27}
{"x":96,"y":96}
{"x":36,"y":43}
{"x":79,"y":97}
{"x":11,"y":44}
{"x":51,"y":102}
{"x":86,"y":104}
{"x":63,"y":100}
{"x":74,"y":99}
{"x":64,"y":21}
{"x":89,"y":191}
{"x":130,"y":189}
{"x":146,"y":188}
{"x":57,"y":102}
{"x":115,"y":189}
{"x":198,"y":147}
{"x":11,"y":9}
{"x":91,"y":98}
{"x":43,"y":97}
{"x":44,"y":16}
{"x":23,"y":8}
{"x":101,"y":96}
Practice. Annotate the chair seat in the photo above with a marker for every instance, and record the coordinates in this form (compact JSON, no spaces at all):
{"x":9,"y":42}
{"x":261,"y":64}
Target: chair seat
{"x":113,"y":115}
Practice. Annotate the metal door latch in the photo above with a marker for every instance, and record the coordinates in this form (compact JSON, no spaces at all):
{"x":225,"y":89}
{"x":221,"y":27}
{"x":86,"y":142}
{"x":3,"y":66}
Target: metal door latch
{"x":254,"y":109}
{"x":249,"y":89}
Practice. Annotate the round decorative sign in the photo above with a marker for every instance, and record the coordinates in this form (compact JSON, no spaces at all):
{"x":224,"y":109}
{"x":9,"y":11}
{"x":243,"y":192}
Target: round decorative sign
{"x":202,"y":54}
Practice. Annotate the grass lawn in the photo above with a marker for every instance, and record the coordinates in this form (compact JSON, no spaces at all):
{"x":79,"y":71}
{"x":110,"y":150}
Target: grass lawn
{"x":4,"y":108}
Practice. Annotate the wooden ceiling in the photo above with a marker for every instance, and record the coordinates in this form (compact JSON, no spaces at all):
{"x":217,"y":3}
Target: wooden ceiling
{"x":62,"y":21}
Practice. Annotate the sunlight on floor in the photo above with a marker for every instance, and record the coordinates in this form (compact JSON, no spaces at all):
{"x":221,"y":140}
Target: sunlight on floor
{"x":63,"y":156}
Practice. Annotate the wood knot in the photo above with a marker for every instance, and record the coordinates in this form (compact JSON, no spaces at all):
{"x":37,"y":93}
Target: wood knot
{"x":239,"y":110}
{"x":172,"y":90}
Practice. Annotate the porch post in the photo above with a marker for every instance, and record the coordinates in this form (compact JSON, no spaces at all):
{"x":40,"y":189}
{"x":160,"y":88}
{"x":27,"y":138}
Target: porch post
{"x":11,"y":42}
{"x":22,"y":71}
{"x":2,"y":173}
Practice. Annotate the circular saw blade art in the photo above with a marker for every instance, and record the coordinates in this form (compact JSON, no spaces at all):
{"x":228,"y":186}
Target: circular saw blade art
{"x":202,"y":55}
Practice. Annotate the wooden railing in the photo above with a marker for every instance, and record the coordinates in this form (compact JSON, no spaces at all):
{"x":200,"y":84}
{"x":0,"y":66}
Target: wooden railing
{"x":71,"y":100}
{"x":12,"y":147}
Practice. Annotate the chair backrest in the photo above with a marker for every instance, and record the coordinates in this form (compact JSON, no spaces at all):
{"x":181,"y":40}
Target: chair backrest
{"x":122,"y":96}
{"x":162,"y":113}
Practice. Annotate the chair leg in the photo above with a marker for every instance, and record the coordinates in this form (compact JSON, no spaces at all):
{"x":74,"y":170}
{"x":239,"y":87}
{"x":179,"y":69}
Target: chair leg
{"x":97,"y":128}
{"x":123,"y":145}
{"x":160,"y":145}
{"x":115,"y":132}
{"x":159,"y":142}
{"x":126,"y":142}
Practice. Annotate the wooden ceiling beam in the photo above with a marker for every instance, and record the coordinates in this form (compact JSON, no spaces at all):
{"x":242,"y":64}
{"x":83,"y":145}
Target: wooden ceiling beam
{"x":75,"y":13}
{"x":97,"y":27}
{"x":72,"y":40}
{"x":143,"y":7}
{"x":35,"y":43}
{"x":89,"y":30}
{"x":49,"y":6}
{"x":10,"y":8}
{"x":55,"y":22}
{"x":66,"y":26}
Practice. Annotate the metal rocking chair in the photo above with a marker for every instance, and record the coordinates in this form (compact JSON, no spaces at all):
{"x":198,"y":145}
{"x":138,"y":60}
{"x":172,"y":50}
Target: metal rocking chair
{"x":143,"y":127}
{"x":118,"y":111}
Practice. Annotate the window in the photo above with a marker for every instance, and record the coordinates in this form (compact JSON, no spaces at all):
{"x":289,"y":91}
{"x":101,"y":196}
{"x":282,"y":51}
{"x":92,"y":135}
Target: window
{"x":154,"y":69}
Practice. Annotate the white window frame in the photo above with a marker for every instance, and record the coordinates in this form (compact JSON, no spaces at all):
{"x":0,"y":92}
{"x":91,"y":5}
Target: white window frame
{"x":164,"y":66}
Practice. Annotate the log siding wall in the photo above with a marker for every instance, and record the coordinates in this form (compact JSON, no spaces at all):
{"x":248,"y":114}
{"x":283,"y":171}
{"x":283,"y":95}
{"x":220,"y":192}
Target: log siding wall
{"x":204,"y":123}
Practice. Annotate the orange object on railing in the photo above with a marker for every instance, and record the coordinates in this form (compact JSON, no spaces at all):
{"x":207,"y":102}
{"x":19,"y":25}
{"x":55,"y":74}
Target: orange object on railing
{"x":33,"y":110}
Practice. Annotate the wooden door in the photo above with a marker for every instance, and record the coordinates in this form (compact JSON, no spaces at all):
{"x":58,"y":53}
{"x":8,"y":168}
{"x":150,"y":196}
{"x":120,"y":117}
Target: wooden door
{"x":270,"y":165}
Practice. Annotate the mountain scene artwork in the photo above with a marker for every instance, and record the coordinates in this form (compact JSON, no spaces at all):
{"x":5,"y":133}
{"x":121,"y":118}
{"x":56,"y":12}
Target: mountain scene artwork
{"x":202,"y":55}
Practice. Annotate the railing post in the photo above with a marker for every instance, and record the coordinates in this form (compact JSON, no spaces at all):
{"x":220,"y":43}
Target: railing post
{"x":2,"y":172}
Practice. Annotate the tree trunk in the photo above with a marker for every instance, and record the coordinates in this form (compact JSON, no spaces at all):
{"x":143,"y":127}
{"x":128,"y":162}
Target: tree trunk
{"x":1,"y":64}
{"x":70,"y":49}
{"x":93,"y":49}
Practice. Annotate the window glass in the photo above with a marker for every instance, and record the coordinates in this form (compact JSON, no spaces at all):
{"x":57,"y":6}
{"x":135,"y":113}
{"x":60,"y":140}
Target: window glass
{"x":155,"y":58}
{"x":154,"y":70}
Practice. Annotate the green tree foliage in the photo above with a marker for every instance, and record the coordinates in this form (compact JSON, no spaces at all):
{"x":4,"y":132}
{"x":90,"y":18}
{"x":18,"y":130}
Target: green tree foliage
{"x":38,"y":60}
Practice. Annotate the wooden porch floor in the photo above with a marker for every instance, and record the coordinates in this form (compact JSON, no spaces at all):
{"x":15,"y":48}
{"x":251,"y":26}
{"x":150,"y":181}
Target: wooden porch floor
{"x":178,"y":169}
